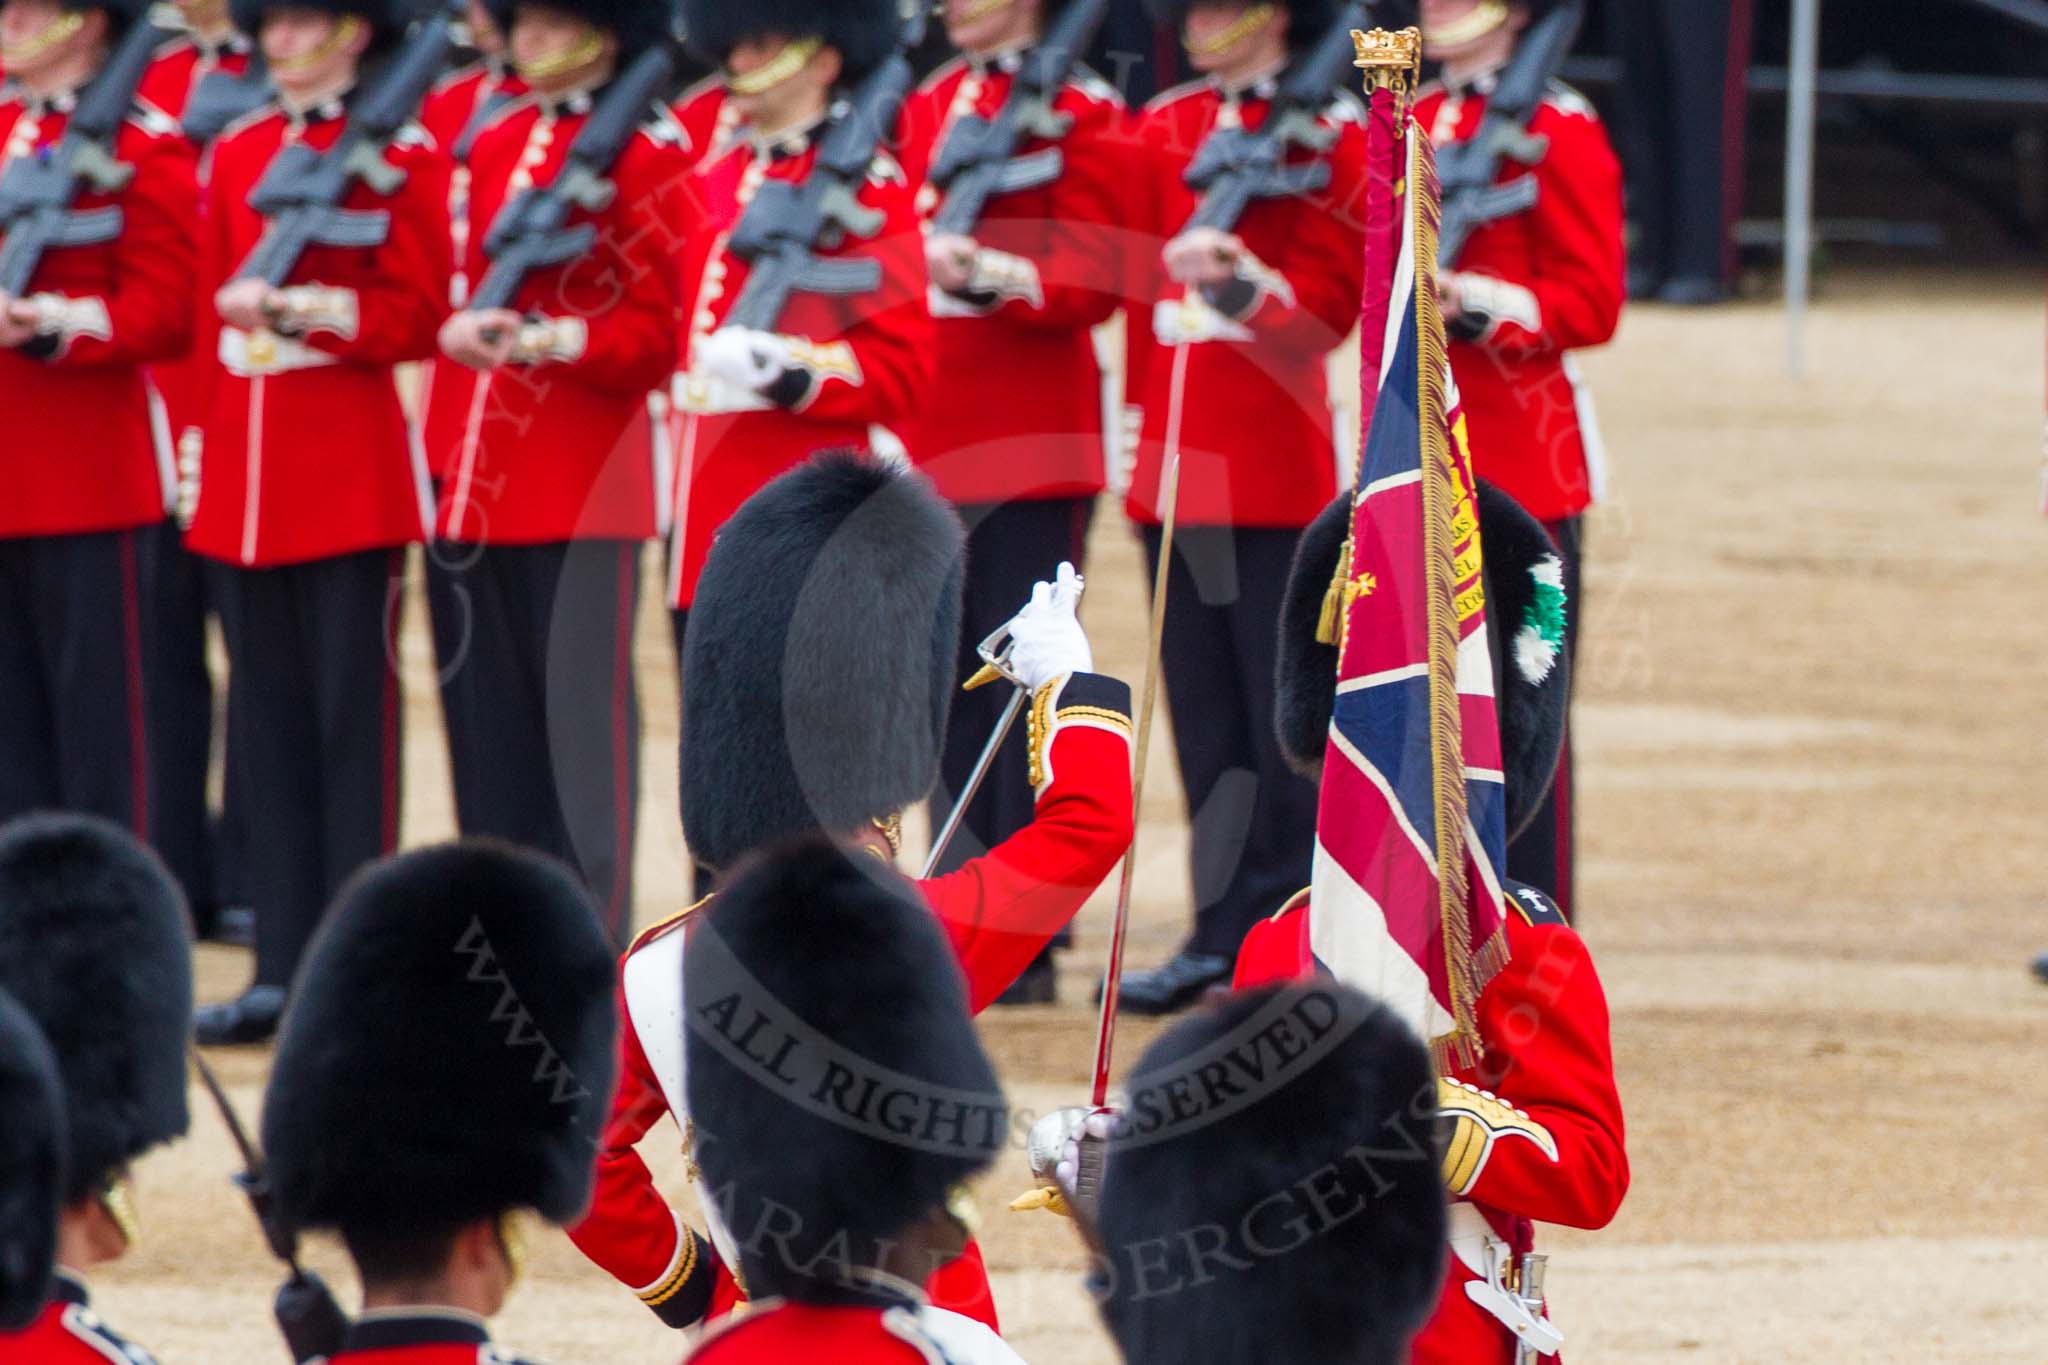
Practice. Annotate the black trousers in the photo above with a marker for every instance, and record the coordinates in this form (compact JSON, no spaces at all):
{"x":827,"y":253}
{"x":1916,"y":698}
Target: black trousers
{"x":179,"y":692}
{"x":314,"y":703}
{"x":1542,"y":854}
{"x":1010,"y":546}
{"x":1253,"y":818}
{"x":73,"y":731}
{"x":535,"y":646}
{"x":1682,"y":101}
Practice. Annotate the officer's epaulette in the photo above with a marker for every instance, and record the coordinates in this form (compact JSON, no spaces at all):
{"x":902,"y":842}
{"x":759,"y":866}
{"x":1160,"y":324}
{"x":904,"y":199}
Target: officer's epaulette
{"x":250,"y":119}
{"x":1175,"y":94}
{"x":1094,"y":85}
{"x":663,"y":128}
{"x":84,"y":1324}
{"x":1346,"y":106}
{"x":1535,"y":907}
{"x":663,"y":926}
{"x":1567,"y":100}
{"x":152,"y":120}
{"x":940,"y":74}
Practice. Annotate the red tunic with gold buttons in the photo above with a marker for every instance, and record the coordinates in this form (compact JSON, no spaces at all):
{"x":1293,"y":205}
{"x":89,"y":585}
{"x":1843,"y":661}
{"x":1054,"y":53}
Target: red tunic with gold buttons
{"x":1541,"y":284}
{"x":1016,"y":410}
{"x":86,"y":447}
{"x":1540,"y":1122}
{"x":893,"y":1333}
{"x":308,"y":453}
{"x":997,"y":910}
{"x":564,"y":448}
{"x":1243,"y":395}
{"x":178,"y":68}
{"x":865,"y":358}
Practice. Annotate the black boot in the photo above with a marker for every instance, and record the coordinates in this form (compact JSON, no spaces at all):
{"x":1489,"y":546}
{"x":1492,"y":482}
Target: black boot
{"x":250,"y":1017}
{"x":1180,"y":981}
{"x":1039,"y":985}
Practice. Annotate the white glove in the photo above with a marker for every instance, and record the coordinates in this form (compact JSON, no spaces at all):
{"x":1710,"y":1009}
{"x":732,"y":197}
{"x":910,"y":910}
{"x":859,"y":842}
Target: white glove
{"x":744,"y":358}
{"x":1046,"y":639}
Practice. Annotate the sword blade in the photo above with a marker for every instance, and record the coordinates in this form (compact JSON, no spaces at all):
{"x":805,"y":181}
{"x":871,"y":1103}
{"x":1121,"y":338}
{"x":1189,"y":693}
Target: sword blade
{"x":1169,"y":501}
{"x":1004,"y":724}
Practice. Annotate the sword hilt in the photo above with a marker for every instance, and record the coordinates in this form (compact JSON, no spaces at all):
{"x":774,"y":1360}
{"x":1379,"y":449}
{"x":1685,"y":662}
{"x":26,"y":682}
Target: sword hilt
{"x":1091,"y":1159}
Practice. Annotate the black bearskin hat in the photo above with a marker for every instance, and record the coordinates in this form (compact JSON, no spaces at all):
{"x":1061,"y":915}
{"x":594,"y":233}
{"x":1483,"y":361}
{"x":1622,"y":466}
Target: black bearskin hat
{"x":896,"y":1103}
{"x":820,"y":658}
{"x":120,"y":13}
{"x":94,"y":945}
{"x":638,"y":24}
{"x":1284,"y":1143}
{"x":31,"y":1165}
{"x":863,"y":32}
{"x":387,"y":18}
{"x":449,"y":1052}
{"x":1525,"y":622}
{"x":1307,"y":20}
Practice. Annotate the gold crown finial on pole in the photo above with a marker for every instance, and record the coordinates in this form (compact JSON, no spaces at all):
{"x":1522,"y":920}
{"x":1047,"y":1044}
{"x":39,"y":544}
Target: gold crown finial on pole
{"x":1390,"y":60}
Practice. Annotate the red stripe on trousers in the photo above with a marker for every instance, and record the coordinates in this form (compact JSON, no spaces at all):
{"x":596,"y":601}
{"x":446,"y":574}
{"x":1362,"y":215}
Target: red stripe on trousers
{"x":138,"y":729}
{"x":622,"y":679}
{"x":394,"y":611}
{"x":1734,"y":116}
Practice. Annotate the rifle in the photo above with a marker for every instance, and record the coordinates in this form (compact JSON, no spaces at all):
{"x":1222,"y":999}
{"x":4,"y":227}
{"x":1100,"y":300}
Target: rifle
{"x":220,"y":99}
{"x":1235,"y":166}
{"x":1466,"y":170}
{"x":36,"y":192}
{"x":302,"y":190}
{"x":528,"y":233}
{"x":979,"y":159}
{"x":312,"y":1322}
{"x":782,"y":230}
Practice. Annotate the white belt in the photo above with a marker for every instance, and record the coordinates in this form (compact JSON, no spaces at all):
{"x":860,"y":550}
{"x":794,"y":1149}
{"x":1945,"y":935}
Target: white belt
{"x":1488,"y":1257}
{"x":707,"y":396}
{"x":248,"y":354}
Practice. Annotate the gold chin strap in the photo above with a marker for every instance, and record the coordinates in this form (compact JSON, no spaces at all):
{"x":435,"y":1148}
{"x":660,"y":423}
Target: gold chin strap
{"x":794,"y":57}
{"x":119,"y":1203}
{"x":512,"y":1239}
{"x":57,"y":31}
{"x":1248,"y":23}
{"x":344,"y":33}
{"x":1489,"y":15}
{"x":981,"y":9}
{"x":891,"y":826}
{"x":587,"y":50}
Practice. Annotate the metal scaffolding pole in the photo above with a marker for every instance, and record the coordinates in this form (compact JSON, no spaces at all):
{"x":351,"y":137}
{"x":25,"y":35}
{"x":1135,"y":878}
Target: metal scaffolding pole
{"x":1799,"y":138}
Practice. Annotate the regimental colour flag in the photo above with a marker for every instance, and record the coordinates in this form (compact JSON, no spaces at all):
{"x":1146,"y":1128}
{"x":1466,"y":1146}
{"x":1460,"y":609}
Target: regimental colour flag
{"x":1410,"y":829}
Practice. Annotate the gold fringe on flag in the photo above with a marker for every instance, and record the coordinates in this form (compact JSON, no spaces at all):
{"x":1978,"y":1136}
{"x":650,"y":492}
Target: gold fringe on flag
{"x":1460,"y":1047}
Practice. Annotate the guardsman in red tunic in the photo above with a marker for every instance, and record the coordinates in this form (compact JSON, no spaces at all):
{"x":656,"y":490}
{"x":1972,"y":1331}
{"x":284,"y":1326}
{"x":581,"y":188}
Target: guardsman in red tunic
{"x":706,"y":117}
{"x":1294,"y":1125}
{"x":1537,"y":1131}
{"x":837,"y":371}
{"x":311,"y":487}
{"x":548,"y":463}
{"x":453,"y":113}
{"x":1524,"y":294}
{"x":816,"y":679}
{"x":1231,"y":333}
{"x":1012,"y":433}
{"x":93,"y":950}
{"x":849,"y":1186}
{"x":415,"y":1112}
{"x":86,"y":457}
{"x":176,"y":680}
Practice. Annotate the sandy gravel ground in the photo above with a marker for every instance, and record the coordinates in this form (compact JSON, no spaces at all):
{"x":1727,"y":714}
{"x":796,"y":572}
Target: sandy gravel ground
{"x":1811,"y":793}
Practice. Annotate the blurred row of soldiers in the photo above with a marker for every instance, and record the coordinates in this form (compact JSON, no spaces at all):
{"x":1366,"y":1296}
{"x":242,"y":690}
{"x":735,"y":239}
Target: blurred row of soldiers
{"x":1286,"y":1177}
{"x":194,"y":438}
